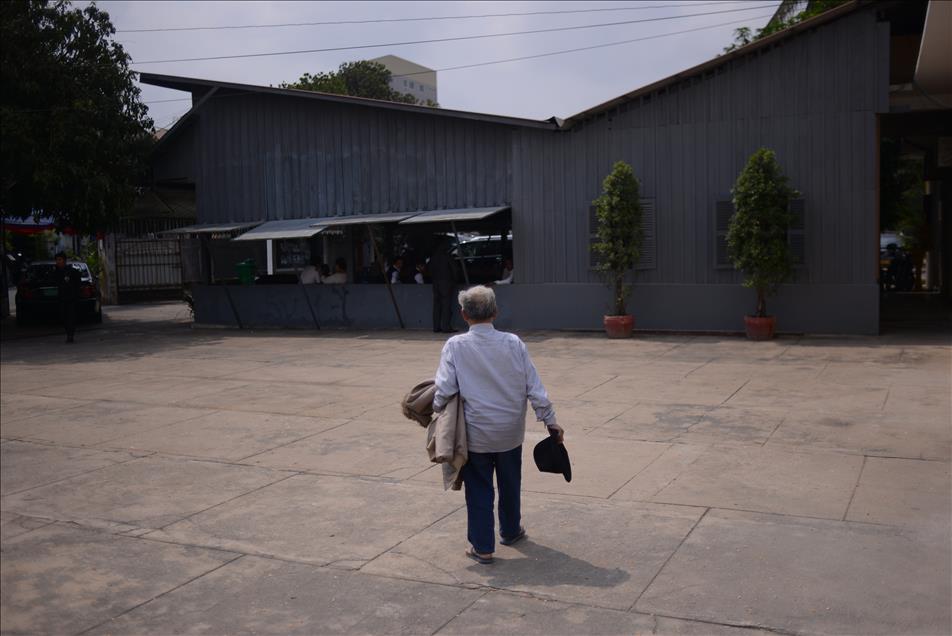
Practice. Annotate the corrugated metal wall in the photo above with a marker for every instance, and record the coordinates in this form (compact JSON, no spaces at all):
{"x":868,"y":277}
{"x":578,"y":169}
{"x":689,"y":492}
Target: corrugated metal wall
{"x":175,"y":162}
{"x":812,"y":99}
{"x":265,"y":157}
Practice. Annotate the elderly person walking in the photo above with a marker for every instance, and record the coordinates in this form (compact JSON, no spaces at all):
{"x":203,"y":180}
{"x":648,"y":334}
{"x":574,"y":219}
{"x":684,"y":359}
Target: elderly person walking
{"x":494,"y":376}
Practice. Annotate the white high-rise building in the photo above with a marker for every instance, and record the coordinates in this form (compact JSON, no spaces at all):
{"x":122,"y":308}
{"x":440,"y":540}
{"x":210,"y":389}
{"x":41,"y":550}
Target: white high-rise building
{"x":410,"y":78}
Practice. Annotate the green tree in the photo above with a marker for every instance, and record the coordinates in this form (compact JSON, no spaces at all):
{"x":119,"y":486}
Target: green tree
{"x":75,"y":135}
{"x":901,"y":192}
{"x":900,"y":184}
{"x":757,"y":236}
{"x":782,"y":19}
{"x":356,"y":79}
{"x":618,"y":210}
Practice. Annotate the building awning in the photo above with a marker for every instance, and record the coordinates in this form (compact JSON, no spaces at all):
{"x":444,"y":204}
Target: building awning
{"x":362,"y":219}
{"x":213,"y":228}
{"x":458,"y":214}
{"x":28,"y":225}
{"x":934,"y":65}
{"x":283,"y":229}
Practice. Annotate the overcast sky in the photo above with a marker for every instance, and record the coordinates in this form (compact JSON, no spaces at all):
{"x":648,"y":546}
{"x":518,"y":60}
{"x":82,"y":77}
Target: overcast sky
{"x":558,"y":85}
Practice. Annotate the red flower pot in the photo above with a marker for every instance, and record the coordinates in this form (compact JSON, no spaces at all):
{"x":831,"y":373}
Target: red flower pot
{"x":760,"y":328}
{"x":619,"y":326}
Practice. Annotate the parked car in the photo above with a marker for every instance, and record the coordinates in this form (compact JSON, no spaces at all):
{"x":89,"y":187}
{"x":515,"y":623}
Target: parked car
{"x":38,"y":296}
{"x":483,"y":256}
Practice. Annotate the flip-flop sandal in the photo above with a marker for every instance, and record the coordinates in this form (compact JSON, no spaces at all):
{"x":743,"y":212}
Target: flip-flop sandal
{"x":478,"y":558}
{"x":516,"y":539}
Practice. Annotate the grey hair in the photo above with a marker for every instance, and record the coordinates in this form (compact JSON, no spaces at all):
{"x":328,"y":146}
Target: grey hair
{"x":478,"y":302}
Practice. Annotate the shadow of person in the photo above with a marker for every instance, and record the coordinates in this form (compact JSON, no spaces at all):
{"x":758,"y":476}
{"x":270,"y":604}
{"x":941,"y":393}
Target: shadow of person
{"x":540,"y":566}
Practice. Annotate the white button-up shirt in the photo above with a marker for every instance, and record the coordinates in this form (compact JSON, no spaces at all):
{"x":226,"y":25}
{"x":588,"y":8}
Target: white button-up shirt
{"x":494,"y":375}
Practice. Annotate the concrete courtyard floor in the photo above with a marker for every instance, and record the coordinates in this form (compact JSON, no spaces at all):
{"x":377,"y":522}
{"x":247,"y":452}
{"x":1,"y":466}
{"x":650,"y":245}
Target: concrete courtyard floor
{"x":160,"y":480}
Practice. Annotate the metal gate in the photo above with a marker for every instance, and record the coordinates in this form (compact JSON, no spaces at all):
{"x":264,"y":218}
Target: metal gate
{"x":148,"y":265}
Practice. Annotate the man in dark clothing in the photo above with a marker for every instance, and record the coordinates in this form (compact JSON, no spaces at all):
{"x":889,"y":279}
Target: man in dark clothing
{"x":66,"y":278}
{"x":443,"y":277}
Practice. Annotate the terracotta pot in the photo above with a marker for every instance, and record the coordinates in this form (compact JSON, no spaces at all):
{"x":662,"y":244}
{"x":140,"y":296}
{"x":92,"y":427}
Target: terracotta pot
{"x":619,"y":326}
{"x":760,"y":328}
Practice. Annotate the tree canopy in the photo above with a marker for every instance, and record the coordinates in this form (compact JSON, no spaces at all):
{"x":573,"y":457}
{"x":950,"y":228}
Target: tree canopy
{"x":75,"y":134}
{"x":362,"y":78}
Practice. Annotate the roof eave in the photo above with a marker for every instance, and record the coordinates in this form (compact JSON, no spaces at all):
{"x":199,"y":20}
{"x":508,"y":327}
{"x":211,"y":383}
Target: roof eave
{"x":190,"y":84}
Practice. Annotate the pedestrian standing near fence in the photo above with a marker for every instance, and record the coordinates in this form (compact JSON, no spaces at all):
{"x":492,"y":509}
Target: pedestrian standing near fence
{"x":443,"y":277}
{"x":67,"y":284}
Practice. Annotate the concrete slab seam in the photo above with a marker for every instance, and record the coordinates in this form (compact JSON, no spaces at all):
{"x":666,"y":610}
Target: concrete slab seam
{"x":698,"y":368}
{"x":268,"y":450}
{"x":646,"y":467}
{"x":668,"y":560}
{"x":157,"y":596}
{"x":48,"y":522}
{"x":257,"y":555}
{"x":765,"y":628}
{"x":157,"y":428}
{"x":775,"y":429}
{"x":735,"y":392}
{"x":859,"y":476}
{"x":80,"y":474}
{"x":774,"y":514}
{"x":459,"y":613}
{"x":675,"y":478}
{"x":14,"y":394}
{"x":612,"y":419}
{"x":424,"y":529}
{"x":221,"y":503}
{"x":579,"y":396}
{"x":46,"y":442}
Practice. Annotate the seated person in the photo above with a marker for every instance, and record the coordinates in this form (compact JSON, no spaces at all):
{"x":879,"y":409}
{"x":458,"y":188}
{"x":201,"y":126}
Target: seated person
{"x":340,"y":273}
{"x":393,"y":273}
{"x":506,"y":274}
{"x":418,"y":275}
{"x":312,"y":274}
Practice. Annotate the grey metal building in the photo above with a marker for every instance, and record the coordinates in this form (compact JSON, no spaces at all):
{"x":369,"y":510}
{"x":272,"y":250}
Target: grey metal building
{"x":816,"y":93}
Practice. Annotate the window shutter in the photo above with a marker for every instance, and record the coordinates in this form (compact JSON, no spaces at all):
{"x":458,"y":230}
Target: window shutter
{"x":649,"y":243}
{"x":592,"y":236}
{"x":723,"y":211}
{"x":796,"y":238}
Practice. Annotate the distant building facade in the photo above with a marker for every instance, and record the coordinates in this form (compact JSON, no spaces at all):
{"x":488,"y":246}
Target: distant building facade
{"x":277,"y":165}
{"x":411,"y":78}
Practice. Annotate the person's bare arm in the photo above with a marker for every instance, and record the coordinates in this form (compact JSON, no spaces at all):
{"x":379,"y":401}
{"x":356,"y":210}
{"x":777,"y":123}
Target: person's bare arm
{"x":539,"y":398}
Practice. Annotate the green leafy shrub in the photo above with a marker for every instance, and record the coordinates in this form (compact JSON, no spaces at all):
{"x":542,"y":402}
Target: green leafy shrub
{"x":757,"y":237}
{"x":618,"y":210}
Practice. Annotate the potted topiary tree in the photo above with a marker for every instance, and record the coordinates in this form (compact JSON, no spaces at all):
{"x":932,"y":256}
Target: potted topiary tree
{"x":618,"y":211}
{"x":757,"y":236}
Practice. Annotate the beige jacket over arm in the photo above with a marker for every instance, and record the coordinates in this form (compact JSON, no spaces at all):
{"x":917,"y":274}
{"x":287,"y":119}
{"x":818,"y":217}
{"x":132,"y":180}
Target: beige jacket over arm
{"x":445,"y":433}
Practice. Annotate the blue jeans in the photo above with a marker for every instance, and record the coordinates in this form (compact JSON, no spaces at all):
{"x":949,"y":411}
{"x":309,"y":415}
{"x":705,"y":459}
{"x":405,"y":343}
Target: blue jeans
{"x":478,"y":480}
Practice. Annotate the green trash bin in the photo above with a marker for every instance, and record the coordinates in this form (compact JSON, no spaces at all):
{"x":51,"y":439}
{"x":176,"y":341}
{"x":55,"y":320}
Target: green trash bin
{"x":246,"y":272}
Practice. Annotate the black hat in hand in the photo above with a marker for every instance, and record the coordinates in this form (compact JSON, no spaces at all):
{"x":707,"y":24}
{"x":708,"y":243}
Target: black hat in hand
{"x":551,"y":457}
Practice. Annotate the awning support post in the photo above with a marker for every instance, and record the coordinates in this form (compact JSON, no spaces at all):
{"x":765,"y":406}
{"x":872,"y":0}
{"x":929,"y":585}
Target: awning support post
{"x":307,"y":299}
{"x":383,"y":270}
{"x":234,"y":310}
{"x":459,"y":253}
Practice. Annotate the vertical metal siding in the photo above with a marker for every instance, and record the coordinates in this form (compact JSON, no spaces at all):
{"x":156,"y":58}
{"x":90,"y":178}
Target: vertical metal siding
{"x":265,"y":157}
{"x":812,"y":98}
